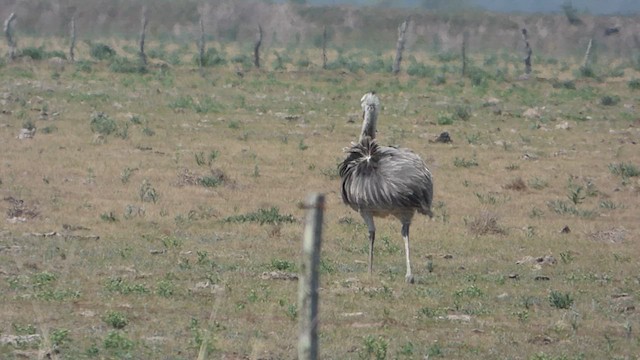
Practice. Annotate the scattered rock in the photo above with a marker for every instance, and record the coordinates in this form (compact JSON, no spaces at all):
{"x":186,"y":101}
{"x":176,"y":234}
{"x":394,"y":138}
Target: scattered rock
{"x":538,"y":261}
{"x":541,"y":340}
{"x":27,"y":133}
{"x":611,"y":236}
{"x":533,"y":112}
{"x":20,"y":340}
{"x":444,"y":138}
{"x":563,"y":126}
{"x":278,"y":275}
{"x":456,"y":317}
{"x":353,"y":314}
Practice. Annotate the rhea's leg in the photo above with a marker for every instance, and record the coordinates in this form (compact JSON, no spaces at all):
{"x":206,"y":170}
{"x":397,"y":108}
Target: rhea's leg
{"x":405,"y":236}
{"x":368,"y":219}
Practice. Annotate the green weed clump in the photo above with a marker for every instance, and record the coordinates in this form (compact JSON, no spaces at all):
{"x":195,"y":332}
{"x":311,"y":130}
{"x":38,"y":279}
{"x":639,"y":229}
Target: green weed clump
{"x":124,"y":65}
{"x":101,"y":51}
{"x":212,"y":57}
{"x":262,"y":216}
{"x":609,"y":100}
{"x":39,"y":53}
{"x":102,"y":124}
{"x":634,"y":84}
{"x":560,"y":300}
{"x":116,"y":319}
{"x":624,"y":170}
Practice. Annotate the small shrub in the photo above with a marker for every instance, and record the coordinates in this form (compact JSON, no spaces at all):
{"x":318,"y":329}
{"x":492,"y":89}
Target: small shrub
{"x":462,"y":112}
{"x":461,"y":162}
{"x":210,"y":181}
{"x":560,"y":300}
{"x":165,"y":288}
{"x":115,"y":340}
{"x":84,"y":66}
{"x":624,"y":170}
{"x":516,"y":184}
{"x":420,"y":70}
{"x":101,"y":51}
{"x":262,"y":216}
{"x":609,"y":100}
{"x":282,"y":265}
{"x":124,"y":65}
{"x":212,"y":57}
{"x":116,"y":319}
{"x":484,"y":224}
{"x":444,"y":119}
{"x":108,"y":217}
{"x":374,"y":348}
{"x":538,"y":184}
{"x":587,"y":72}
{"x":147,"y":192}
{"x":34,"y":53}
{"x":59,"y":336}
{"x":121,"y":286}
{"x":634,"y":84}
{"x":102,"y":124}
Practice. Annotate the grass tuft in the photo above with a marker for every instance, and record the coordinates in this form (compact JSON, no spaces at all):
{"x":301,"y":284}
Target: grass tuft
{"x":262,"y":216}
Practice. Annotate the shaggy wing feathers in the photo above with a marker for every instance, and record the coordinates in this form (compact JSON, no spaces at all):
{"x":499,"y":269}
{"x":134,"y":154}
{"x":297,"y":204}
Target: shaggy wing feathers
{"x":384,"y":178}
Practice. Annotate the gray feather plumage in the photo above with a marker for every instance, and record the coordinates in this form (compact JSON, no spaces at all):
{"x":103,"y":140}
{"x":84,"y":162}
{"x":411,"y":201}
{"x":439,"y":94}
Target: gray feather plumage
{"x":385,"y":179}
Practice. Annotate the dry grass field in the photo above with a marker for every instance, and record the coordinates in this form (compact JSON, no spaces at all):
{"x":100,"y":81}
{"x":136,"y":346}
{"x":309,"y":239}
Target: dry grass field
{"x":147,"y":216}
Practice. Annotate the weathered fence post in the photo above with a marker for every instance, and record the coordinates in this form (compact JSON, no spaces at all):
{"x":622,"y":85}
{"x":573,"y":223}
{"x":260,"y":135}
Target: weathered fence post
{"x":402,"y":30}
{"x":256,"y":48}
{"x":585,"y":62}
{"x":72,"y":34}
{"x":143,"y":30}
{"x":201,"y":43}
{"x":465,"y":41}
{"x":308,"y":281}
{"x":528,"y":52}
{"x":8,"y":33}
{"x":324,"y":47}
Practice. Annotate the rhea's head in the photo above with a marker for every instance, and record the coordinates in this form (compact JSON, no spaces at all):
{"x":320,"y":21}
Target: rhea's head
{"x":370,"y":108}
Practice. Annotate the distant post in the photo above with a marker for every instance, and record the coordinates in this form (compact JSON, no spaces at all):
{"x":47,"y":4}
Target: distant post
{"x":585,"y":62}
{"x":256,"y":48}
{"x":324,"y":47}
{"x":465,"y":40}
{"x":308,"y":280}
{"x":8,"y":33}
{"x":72,"y":34}
{"x":528,"y":52}
{"x":201,"y":43}
{"x":143,"y":30}
{"x":402,"y":30}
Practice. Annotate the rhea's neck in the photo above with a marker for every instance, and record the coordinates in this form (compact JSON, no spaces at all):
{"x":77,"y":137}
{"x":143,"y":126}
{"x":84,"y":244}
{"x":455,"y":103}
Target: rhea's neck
{"x":369,"y":124}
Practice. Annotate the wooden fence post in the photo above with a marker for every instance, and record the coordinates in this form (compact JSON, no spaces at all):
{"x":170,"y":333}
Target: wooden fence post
{"x":72,"y":34}
{"x":465,"y":41}
{"x":143,"y":30}
{"x":8,"y":33}
{"x":256,"y":48}
{"x":324,"y":47}
{"x":201,"y":43}
{"x":585,"y":62}
{"x":402,"y":30}
{"x":308,"y":281}
{"x":528,"y":52}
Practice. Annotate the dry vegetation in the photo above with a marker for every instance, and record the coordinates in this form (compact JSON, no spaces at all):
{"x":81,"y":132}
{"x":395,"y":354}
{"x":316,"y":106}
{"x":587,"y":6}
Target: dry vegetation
{"x":156,"y":214}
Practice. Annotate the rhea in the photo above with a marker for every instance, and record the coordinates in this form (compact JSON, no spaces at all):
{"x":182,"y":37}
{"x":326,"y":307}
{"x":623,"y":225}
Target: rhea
{"x":378,"y":181}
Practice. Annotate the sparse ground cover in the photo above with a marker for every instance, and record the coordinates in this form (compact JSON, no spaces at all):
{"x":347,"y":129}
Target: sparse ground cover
{"x":155,"y":213}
